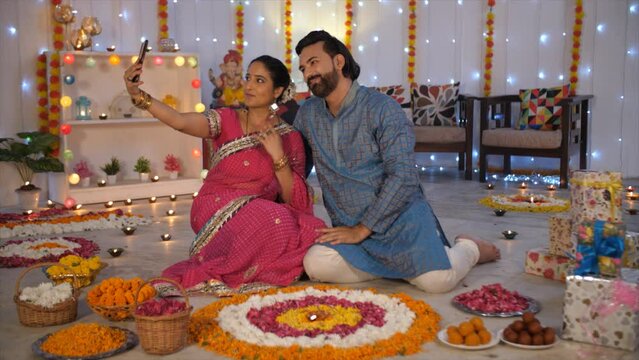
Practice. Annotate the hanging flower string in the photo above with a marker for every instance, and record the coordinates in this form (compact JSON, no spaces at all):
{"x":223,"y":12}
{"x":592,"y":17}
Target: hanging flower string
{"x":58,"y":29}
{"x":576,"y":45}
{"x":288,"y":35}
{"x":163,"y":24}
{"x":41,"y":86}
{"x":54,"y":94}
{"x":239,"y":28}
{"x":412,"y":35}
{"x":488,"y":60}
{"x":348,"y":24}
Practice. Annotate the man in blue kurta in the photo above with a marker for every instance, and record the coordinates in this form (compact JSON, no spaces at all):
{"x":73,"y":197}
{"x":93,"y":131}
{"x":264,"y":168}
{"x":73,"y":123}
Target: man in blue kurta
{"x":362,"y":145}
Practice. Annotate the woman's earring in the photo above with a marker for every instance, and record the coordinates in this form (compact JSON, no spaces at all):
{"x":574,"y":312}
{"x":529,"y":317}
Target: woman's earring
{"x":274,"y":107}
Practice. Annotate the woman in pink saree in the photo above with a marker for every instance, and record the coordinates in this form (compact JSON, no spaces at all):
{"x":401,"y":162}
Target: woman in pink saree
{"x":253,"y":215}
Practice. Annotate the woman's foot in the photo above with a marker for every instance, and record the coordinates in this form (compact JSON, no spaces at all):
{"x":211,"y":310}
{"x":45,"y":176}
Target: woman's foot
{"x":487,"y":251}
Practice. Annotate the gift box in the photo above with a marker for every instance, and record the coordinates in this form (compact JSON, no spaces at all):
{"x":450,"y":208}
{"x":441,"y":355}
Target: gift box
{"x":601,"y":312}
{"x":595,"y":195}
{"x":600,"y":246}
{"x":561,"y":241}
{"x":631,"y":250}
{"x":541,"y":263}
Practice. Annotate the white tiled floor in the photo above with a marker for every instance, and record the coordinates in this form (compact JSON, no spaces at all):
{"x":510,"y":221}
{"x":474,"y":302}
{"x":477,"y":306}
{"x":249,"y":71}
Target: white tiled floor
{"x":455,"y":202}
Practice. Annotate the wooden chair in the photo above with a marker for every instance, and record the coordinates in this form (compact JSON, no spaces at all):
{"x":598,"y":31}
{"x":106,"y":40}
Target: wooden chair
{"x":446,"y":139}
{"x":498,"y":137}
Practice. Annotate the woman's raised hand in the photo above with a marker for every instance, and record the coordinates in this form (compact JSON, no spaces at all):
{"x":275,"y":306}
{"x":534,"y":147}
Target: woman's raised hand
{"x":133,"y":87}
{"x":270,"y":139}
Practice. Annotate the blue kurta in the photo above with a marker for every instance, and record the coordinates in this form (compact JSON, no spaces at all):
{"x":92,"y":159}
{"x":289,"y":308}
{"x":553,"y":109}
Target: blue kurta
{"x":365,"y":164}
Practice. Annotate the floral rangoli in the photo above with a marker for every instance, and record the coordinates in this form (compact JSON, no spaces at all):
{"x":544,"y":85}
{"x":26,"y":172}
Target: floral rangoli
{"x":526,"y":202}
{"x":322,"y":322}
{"x":17,"y":253}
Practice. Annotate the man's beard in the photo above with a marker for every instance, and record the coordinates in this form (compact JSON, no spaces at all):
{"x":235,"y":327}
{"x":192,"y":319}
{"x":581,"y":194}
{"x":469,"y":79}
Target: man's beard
{"x":326,"y":84}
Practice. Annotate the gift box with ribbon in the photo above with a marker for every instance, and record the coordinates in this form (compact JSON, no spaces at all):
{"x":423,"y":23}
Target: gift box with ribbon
{"x":541,"y":263}
{"x":631,"y":250}
{"x":561,"y":241}
{"x":601,"y":311}
{"x":600,"y":247}
{"x":595,"y":195}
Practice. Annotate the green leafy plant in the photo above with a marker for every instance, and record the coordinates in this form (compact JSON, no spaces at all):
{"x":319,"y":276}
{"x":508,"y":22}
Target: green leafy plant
{"x":112,"y":167}
{"x":30,"y":156}
{"x":142,"y":165}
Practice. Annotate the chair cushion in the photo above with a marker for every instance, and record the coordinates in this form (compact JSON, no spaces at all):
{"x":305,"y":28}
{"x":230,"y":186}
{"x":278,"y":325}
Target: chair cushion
{"x":528,"y":138}
{"x":539,"y":108}
{"x":434,"y":105}
{"x":439,"y":134}
{"x":399,"y":94}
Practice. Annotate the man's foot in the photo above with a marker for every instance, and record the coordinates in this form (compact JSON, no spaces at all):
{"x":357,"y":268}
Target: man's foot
{"x":487,"y":251}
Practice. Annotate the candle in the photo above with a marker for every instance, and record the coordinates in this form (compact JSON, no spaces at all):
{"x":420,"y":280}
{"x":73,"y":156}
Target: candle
{"x":195,"y":194}
{"x":630,"y":189}
{"x":77,"y":207}
{"x":551,"y":187}
{"x":115,"y":252}
{"x":170,"y":212}
{"x":532,"y":199}
{"x":128,"y":202}
{"x":165,"y":237}
{"x":111,"y":48}
{"x":129,"y":230}
{"x":173,"y":197}
{"x":500,"y":212}
{"x":152,"y":199}
{"x":155,"y":178}
{"x":523,"y":185}
{"x":50,"y":204}
{"x":509,"y":234}
{"x":490,"y":186}
{"x":632,"y":195}
{"x":27,"y":212}
{"x":103,"y":116}
{"x":108,"y":204}
{"x":101,"y":183}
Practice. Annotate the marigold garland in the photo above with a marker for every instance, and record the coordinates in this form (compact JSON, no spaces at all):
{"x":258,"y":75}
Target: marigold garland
{"x":205,"y":331}
{"x":348,"y":24}
{"x":522,"y":203}
{"x":239,"y":28}
{"x":42,"y":88}
{"x":576,"y":46}
{"x":288,"y":35}
{"x":54,"y":94}
{"x":488,"y":57}
{"x":163,"y":24}
{"x":412,"y":35}
{"x":82,"y":340}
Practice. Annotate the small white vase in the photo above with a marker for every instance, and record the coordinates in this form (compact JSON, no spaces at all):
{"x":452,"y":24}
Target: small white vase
{"x":28,"y":199}
{"x":85,"y":181}
{"x":112,"y":179}
{"x":173,"y":175}
{"x":144,"y":177}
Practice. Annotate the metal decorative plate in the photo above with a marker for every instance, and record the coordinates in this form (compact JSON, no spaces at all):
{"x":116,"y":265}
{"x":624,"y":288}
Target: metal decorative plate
{"x":131,"y":341}
{"x":533,"y":306}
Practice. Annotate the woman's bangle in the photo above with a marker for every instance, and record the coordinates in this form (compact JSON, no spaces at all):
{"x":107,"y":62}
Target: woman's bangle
{"x":142,"y":100}
{"x":281,"y":163}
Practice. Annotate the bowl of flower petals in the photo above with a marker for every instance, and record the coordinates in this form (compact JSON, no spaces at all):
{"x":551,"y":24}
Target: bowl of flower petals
{"x":494,"y":300}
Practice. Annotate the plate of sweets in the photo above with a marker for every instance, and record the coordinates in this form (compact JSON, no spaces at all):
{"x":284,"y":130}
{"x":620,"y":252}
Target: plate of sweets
{"x":528,"y":333}
{"x":468,"y":335}
{"x":495,"y":300}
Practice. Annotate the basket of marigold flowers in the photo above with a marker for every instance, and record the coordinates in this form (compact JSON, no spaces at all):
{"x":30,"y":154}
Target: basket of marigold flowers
{"x":46,"y":304}
{"x":162,"y":323}
{"x":115,"y":298}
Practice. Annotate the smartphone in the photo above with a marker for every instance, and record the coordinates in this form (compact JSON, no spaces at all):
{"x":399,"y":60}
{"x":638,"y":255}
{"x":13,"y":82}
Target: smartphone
{"x":143,"y":51}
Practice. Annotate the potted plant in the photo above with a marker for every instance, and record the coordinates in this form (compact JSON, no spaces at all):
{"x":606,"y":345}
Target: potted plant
{"x":172,"y":165}
{"x":82,"y":169}
{"x":33,"y":155}
{"x":143,"y":167}
{"x":111,"y":169}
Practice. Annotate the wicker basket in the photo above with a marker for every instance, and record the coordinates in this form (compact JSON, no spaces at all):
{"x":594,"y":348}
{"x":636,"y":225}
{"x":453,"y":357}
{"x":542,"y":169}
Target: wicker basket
{"x":35,"y":315}
{"x":78,"y":281}
{"x":164,"y":334}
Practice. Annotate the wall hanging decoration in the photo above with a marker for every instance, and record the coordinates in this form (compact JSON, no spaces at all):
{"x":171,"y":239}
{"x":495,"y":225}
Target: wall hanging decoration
{"x":288,"y":35}
{"x":488,"y":56}
{"x":412,"y":35}
{"x":348,"y":24}
{"x":576,"y":46}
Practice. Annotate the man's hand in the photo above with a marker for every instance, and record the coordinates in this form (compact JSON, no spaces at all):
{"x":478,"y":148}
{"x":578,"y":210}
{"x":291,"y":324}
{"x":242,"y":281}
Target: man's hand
{"x":344,"y":234}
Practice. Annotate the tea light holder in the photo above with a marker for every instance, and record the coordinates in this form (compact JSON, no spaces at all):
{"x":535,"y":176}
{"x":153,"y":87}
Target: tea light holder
{"x":490,"y":186}
{"x":115,"y":252}
{"x":111,"y":48}
{"x":102,"y":183}
{"x":155,"y":178}
{"x":629,"y":188}
{"x":128,"y":230}
{"x":195,"y":194}
{"x":165,"y":237}
{"x":632,"y":195}
{"x":173,"y":197}
{"x":108,"y":204}
{"x":153,"y":199}
{"x":551,"y":187}
{"x":50,"y":204}
{"x":170,"y":212}
{"x":103,"y":116}
{"x":500,"y":212}
{"x":27,"y":212}
{"x":523,"y":186}
{"x":128,"y":202}
{"x":509,"y":234}
{"x":77,"y":207}
{"x":312,"y":317}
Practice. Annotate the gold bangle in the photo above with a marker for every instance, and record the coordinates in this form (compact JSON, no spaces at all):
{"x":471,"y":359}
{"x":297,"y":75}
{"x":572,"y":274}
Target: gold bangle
{"x":142,"y":101}
{"x":281,"y":163}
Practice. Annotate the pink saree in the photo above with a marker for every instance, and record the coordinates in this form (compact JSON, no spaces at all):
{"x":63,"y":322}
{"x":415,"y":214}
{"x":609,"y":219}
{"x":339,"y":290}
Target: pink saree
{"x":246,"y":241}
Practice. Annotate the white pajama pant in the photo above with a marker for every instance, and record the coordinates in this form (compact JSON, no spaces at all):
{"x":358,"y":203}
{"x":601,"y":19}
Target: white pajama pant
{"x":325,"y":264}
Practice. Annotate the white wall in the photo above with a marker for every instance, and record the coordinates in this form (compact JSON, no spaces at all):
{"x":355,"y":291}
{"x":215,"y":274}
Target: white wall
{"x":609,"y":70}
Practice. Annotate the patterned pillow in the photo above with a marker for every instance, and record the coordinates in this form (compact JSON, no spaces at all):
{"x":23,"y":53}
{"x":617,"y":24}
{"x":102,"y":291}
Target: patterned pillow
{"x":398,"y":93}
{"x":539,"y":108}
{"x":434,"y":105}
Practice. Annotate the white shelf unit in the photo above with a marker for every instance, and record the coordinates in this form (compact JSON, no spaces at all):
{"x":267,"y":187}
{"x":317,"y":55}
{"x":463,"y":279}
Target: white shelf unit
{"x":126,"y":138}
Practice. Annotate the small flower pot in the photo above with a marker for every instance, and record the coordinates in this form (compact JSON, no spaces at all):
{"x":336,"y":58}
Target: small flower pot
{"x":28,"y":199}
{"x":173,"y":175}
{"x":144,"y":177}
{"x":112,"y":179}
{"x":85,"y":182}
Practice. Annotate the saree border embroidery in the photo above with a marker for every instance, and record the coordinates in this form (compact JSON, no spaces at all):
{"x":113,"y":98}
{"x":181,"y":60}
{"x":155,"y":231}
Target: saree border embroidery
{"x":220,"y":289}
{"x":217,"y":221}
{"x":244,"y":142}
{"x":214,"y":122}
